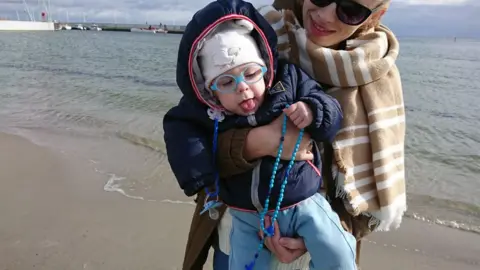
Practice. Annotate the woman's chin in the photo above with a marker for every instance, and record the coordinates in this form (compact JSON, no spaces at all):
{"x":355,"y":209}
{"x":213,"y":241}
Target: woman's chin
{"x":325,"y":41}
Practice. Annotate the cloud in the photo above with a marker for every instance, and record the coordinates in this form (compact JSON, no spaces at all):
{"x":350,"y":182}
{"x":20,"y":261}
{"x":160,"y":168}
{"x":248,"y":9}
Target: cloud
{"x":126,"y":11}
{"x":441,"y":20}
{"x":439,"y":17}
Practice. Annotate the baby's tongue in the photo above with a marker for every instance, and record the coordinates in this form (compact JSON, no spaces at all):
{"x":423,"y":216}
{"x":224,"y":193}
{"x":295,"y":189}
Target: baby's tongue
{"x":248,"y":105}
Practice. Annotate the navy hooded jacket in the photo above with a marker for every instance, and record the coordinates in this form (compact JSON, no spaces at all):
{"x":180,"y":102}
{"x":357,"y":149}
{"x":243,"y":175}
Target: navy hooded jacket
{"x":189,"y":129}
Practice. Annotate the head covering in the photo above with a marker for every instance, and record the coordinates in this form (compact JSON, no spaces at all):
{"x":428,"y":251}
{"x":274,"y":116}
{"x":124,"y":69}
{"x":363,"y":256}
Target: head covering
{"x":230,"y":46}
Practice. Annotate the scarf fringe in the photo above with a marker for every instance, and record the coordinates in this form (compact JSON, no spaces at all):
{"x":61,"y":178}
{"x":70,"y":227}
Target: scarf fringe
{"x":386,"y":219}
{"x":390,"y":217}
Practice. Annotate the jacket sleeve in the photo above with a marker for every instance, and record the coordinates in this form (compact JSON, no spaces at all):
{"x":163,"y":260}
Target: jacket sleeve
{"x":230,"y":152}
{"x":326,"y":109}
{"x":189,"y":149}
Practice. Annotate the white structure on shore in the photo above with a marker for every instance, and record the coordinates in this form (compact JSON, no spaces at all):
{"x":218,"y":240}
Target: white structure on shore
{"x":26,"y":26}
{"x":32,"y":24}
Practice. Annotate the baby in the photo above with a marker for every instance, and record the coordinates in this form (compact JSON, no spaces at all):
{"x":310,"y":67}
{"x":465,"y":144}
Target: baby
{"x":234,"y":81}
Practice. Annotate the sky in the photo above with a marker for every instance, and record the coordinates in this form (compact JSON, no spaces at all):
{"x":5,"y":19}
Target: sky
{"x":442,"y":18}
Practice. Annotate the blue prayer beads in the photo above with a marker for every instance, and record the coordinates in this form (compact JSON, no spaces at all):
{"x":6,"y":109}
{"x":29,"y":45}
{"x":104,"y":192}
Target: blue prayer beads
{"x":268,"y":232}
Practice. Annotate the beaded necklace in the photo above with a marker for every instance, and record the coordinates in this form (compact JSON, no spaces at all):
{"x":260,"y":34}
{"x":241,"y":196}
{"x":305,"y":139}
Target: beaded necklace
{"x":267,"y":232}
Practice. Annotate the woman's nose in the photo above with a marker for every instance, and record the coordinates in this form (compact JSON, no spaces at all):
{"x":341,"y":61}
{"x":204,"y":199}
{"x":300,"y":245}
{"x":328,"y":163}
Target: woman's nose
{"x":327,"y":14}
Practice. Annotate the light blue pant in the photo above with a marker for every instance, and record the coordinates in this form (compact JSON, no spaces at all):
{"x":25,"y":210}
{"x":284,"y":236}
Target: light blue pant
{"x":330,"y":246}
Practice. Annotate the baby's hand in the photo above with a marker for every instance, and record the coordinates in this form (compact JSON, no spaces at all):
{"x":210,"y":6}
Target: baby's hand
{"x":300,"y":114}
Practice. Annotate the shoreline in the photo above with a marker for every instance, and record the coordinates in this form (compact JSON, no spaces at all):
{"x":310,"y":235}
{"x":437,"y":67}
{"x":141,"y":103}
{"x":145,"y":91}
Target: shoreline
{"x":56,"y":215}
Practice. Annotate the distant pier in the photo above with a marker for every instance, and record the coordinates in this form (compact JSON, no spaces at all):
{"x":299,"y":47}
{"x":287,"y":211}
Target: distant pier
{"x":172,"y":29}
{"x":127,"y":29}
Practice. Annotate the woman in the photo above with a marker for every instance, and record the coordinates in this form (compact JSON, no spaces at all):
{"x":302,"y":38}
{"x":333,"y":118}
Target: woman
{"x":341,"y":44}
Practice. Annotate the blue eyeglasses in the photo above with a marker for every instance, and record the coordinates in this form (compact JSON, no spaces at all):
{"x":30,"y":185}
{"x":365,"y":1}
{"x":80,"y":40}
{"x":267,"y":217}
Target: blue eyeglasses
{"x":227,"y":83}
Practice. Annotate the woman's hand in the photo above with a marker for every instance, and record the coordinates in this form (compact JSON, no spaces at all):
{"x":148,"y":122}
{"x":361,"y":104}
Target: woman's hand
{"x":275,"y":131}
{"x":285,"y":249}
{"x":265,"y":140}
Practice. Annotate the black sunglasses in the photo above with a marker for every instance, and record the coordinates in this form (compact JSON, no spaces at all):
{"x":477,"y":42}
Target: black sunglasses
{"x":348,"y":11}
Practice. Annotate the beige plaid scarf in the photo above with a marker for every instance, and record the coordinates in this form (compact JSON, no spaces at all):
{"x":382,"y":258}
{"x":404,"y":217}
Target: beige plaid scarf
{"x":369,"y":149}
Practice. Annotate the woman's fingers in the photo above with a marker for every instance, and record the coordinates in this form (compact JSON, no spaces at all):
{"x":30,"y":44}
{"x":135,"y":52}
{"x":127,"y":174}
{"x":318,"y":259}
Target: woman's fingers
{"x":292,"y":243}
{"x":269,"y":240}
{"x":285,"y":249}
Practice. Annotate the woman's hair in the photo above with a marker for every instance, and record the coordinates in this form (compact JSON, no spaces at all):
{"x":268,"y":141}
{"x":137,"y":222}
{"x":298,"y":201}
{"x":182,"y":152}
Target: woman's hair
{"x":372,"y":22}
{"x":294,"y":5}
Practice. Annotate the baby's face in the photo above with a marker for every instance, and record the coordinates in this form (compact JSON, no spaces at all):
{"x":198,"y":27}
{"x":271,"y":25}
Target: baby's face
{"x":241,"y":90}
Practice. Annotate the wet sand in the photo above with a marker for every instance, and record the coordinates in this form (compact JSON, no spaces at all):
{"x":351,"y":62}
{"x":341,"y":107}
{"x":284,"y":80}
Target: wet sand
{"x":56,"y":215}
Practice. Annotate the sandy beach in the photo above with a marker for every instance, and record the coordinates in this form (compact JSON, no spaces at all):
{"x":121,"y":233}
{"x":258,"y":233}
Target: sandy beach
{"x":55,"y":214}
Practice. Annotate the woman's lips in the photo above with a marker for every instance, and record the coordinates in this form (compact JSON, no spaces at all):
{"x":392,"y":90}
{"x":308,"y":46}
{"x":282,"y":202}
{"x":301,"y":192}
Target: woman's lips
{"x":319,"y":30}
